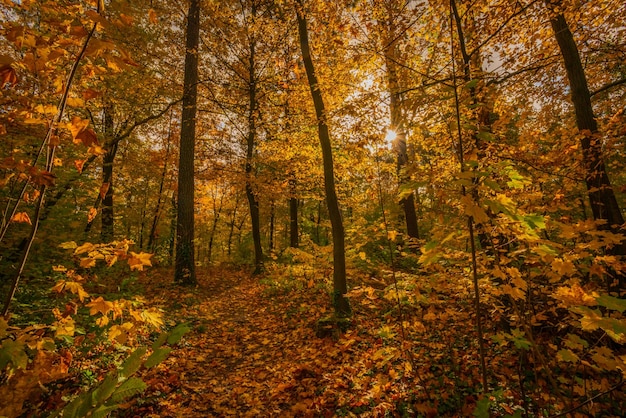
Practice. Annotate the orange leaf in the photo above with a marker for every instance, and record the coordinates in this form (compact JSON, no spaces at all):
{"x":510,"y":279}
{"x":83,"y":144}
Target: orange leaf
{"x":7,"y":76}
{"x":92,"y":214}
{"x":153,"y":17}
{"x":21,"y":217}
{"x":99,"y":305}
{"x":77,"y":125}
{"x":87,"y":137}
{"x":104,"y":189}
{"x":79,"y":165}
{"x":90,"y":94}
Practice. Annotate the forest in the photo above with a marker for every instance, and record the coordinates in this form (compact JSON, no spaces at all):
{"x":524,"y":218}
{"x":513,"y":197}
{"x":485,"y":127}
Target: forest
{"x":312,"y":208}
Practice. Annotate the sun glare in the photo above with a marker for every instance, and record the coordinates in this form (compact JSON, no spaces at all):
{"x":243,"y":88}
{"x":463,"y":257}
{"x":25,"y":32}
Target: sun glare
{"x":390,"y":137}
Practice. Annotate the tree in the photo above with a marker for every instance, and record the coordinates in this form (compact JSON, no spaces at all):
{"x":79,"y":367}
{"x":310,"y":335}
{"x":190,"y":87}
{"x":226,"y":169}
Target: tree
{"x":185,"y":272}
{"x":604,"y":205}
{"x":340,"y":302}
{"x":392,"y":28}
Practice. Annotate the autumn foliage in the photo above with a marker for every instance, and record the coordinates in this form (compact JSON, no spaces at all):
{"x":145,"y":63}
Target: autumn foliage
{"x":378,"y":208}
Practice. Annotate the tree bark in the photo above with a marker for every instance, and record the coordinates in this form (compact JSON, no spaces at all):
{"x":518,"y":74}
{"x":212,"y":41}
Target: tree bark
{"x":398,"y":126}
{"x":340,"y":302}
{"x":294,"y":236}
{"x":152,"y":238}
{"x":251,"y":142}
{"x":185,"y":271}
{"x":603,"y":202}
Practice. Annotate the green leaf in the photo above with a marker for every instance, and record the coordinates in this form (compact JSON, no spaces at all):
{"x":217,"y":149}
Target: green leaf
{"x":567,"y":355}
{"x":157,"y":356}
{"x":160,"y":341}
{"x":471,"y":84}
{"x":482,"y":408}
{"x":132,"y":363}
{"x":535,"y":221}
{"x":104,"y":391}
{"x":13,"y":352}
{"x":486,"y":136}
{"x":611,"y":302}
{"x":129,"y":388}
{"x":103,"y":411}
{"x":177,"y":333}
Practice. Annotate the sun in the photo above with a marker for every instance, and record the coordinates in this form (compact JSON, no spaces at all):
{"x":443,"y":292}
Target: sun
{"x":390,"y":137}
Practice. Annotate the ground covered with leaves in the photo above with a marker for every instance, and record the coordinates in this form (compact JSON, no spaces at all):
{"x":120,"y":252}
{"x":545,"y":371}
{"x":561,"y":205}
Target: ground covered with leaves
{"x":255,"y":350}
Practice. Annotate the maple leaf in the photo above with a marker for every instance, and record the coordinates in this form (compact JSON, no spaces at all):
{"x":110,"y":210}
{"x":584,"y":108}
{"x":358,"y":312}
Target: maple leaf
{"x":93,"y":212}
{"x":99,"y":305}
{"x":21,"y":217}
{"x":7,"y":75}
{"x":87,"y":136}
{"x":575,"y":296}
{"x":76,"y":126}
{"x":65,"y":327}
{"x":138,"y":261}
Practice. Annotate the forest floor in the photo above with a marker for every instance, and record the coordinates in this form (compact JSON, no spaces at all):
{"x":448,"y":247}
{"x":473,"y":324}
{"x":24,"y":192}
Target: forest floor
{"x":253,"y":351}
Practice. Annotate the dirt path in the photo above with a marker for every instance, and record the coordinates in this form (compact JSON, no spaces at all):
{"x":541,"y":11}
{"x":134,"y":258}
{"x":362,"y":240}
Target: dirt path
{"x":248,"y":354}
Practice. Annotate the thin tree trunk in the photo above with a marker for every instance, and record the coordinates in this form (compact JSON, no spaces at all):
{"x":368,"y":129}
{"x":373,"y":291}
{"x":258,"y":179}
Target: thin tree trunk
{"x":157,"y":210}
{"x":232,"y":226}
{"x":272,"y":219}
{"x":483,"y":123}
{"x":294,"y":236}
{"x":340,"y":302}
{"x":107,"y":229}
{"x":173,"y":223}
{"x":185,"y":272}
{"x":217,"y":211}
{"x":398,"y":126}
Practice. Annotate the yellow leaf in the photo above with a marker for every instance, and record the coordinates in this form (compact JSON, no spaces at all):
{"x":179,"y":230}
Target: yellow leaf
{"x":470,"y":208}
{"x":363,"y":256}
{"x":65,"y":326}
{"x":99,"y":305}
{"x":575,"y":296}
{"x":138,"y":261}
{"x":102,"y":321}
{"x":77,"y":289}
{"x":153,"y":317}
{"x":87,"y":262}
{"x":75,"y":102}
{"x":85,"y":248}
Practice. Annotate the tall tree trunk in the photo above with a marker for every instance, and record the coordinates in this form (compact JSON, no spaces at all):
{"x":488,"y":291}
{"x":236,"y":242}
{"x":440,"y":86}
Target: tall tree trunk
{"x":602,"y":199}
{"x":185,"y":272}
{"x":407,"y":203}
{"x":340,"y":302}
{"x":294,"y":236}
{"x":253,"y":201}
